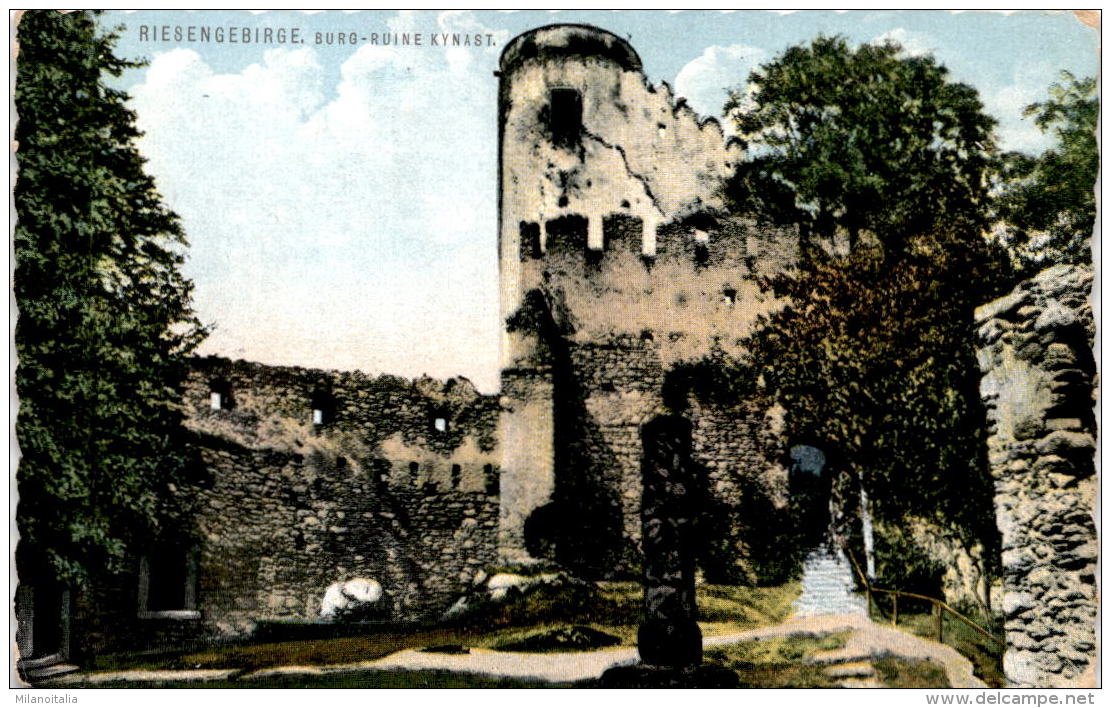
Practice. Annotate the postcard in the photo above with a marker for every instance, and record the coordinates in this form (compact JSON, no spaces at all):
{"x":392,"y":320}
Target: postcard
{"x":482,"y":349}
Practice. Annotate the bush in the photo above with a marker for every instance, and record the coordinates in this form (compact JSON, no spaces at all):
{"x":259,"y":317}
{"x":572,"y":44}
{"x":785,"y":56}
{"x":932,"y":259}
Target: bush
{"x":755,"y":542}
{"x":901,"y":564}
{"x":562,"y":598}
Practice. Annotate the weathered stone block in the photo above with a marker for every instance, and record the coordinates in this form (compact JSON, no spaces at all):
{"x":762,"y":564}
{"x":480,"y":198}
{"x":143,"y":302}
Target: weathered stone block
{"x":1067,"y":443}
{"x":1029,"y":428}
{"x":1016,"y":603}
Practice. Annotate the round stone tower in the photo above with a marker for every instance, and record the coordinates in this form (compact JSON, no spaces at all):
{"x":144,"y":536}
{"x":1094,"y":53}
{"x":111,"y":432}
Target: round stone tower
{"x":592,"y":160}
{"x":560,"y":99}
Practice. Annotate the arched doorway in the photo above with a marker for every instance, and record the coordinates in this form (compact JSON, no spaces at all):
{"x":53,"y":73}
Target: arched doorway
{"x":810,"y":485}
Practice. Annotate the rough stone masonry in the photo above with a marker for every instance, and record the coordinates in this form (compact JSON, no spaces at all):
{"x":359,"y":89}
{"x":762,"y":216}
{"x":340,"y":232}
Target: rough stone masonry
{"x":1039,"y":379}
{"x":618,"y":264}
{"x":320,"y":477}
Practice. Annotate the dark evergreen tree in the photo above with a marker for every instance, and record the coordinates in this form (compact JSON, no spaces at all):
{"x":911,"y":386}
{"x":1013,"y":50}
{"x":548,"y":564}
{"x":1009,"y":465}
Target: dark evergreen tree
{"x":105,"y":319}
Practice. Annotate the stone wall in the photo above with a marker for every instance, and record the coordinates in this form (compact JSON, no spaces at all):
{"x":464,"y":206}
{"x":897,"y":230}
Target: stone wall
{"x":1039,"y":382}
{"x":632,"y":149}
{"x":604,"y":392}
{"x":398,"y":482}
{"x":611,"y":218}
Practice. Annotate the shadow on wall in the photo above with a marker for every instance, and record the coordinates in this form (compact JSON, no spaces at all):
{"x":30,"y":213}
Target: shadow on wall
{"x":581,"y":528}
{"x":745,"y":536}
{"x":751,"y":542}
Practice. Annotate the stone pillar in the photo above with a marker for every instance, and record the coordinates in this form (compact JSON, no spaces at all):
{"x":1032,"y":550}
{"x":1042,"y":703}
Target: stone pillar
{"x":669,"y":640}
{"x":669,"y":634}
{"x":1034,"y":349}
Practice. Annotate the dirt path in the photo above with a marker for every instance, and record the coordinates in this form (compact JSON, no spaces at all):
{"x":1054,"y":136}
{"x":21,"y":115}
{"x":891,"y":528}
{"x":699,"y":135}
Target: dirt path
{"x":867,"y":640}
{"x":559,"y":667}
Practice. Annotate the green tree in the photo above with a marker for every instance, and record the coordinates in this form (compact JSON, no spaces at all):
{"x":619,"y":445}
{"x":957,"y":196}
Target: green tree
{"x":105,"y":319}
{"x":862,"y":140}
{"x":872,"y":355}
{"x":875,"y":360}
{"x":1047,"y":204}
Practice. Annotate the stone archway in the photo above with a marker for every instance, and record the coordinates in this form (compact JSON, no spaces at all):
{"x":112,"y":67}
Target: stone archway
{"x":810,"y":487}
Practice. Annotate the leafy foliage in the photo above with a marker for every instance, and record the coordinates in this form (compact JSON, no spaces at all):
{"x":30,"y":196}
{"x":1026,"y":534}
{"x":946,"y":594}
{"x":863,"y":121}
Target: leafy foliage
{"x":868,"y":139}
{"x":872,"y":355}
{"x":753,"y":542}
{"x":1047,"y":203}
{"x":875,"y":361}
{"x":903,"y":565}
{"x":104,"y":312}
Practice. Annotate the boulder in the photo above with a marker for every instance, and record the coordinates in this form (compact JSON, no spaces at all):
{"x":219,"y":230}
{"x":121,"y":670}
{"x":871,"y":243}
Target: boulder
{"x":356,"y":598}
{"x":501,"y":584}
{"x":505,"y":588}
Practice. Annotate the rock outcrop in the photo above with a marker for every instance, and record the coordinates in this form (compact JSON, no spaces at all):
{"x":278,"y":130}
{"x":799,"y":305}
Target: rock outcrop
{"x":1039,"y":381}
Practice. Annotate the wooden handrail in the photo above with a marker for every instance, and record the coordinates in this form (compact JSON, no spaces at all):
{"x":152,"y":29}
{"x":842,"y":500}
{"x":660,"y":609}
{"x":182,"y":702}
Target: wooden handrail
{"x":941,"y":605}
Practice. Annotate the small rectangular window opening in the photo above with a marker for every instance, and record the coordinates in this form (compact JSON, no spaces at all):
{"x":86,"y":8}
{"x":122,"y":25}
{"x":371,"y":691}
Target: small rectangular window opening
{"x":491,"y":479}
{"x":729,"y":296}
{"x":440,"y":424}
{"x":323,"y":406}
{"x":565,"y":113}
{"x":219,"y":395}
{"x":167,"y":584}
{"x":530,"y":239}
{"x":456,"y":476}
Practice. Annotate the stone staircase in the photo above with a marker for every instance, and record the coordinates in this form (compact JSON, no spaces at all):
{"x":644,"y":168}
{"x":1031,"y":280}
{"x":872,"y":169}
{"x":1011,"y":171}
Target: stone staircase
{"x":849,"y":667}
{"x":43,"y":669}
{"x":827,"y":589}
{"x":827,"y":586}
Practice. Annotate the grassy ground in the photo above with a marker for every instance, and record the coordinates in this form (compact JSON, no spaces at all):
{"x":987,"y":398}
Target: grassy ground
{"x":896,"y":672}
{"x":985,"y":655}
{"x":614,"y":609}
{"x":356,"y":679}
{"x":778,"y":662}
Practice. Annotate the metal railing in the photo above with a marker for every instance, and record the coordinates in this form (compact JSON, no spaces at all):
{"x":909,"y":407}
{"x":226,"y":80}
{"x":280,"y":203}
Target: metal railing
{"x":940,"y":606}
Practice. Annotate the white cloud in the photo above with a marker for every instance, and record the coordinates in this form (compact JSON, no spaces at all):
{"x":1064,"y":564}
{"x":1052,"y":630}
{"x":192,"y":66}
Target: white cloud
{"x":1029,"y":84}
{"x":706,"y":80}
{"x":1014,"y":131}
{"x":351,"y":226}
{"x":914,"y":44}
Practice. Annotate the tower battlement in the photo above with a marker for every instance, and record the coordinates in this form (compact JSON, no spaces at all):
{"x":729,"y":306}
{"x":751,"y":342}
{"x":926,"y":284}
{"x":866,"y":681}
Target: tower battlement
{"x":619,"y":262}
{"x":720,"y":242}
{"x":562,"y":41}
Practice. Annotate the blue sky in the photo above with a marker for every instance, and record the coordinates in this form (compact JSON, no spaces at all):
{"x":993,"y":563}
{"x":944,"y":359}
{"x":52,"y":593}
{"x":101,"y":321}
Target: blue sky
{"x":340,"y":201}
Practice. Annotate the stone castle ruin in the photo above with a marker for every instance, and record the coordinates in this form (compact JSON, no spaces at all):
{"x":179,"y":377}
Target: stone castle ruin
{"x":617,"y":264}
{"x":620,"y":270}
